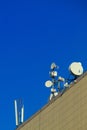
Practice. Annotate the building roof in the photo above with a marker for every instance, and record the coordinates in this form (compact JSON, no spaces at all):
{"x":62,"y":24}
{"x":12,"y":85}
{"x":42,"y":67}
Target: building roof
{"x":53,"y":100}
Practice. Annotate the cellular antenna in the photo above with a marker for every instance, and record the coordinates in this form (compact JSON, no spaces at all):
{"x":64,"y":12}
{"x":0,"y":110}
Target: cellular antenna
{"x":53,"y":66}
{"x":19,"y":112}
{"x":54,"y":83}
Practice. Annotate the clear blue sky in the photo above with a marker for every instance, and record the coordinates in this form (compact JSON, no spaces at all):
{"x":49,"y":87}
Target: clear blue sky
{"x":32,"y":35}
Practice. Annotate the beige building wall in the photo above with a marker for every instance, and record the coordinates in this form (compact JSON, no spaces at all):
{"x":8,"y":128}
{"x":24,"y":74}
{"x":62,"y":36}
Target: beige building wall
{"x":67,"y":112}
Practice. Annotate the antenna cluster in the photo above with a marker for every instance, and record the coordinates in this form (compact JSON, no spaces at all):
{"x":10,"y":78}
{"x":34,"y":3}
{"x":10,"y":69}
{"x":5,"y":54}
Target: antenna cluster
{"x":54,"y":84}
{"x":75,"y":70}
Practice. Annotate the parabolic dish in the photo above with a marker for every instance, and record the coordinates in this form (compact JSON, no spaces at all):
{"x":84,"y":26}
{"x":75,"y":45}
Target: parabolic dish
{"x":48,"y":83}
{"x":76,"y":68}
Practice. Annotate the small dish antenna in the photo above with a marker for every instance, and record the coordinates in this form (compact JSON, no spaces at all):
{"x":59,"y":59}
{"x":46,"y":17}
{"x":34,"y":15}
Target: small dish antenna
{"x":48,"y":84}
{"x":76,"y":68}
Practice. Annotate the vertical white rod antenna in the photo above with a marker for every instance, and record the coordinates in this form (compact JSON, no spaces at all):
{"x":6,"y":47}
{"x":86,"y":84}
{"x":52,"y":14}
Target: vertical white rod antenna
{"x":16,"y":113}
{"x":22,"y":114}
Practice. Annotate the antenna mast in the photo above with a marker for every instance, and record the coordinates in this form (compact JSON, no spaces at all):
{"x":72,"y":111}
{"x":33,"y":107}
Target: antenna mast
{"x":19,"y":112}
{"x":54,"y":82}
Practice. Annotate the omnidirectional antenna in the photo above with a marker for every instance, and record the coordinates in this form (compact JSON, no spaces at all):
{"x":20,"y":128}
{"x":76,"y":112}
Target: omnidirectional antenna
{"x":16,"y":113}
{"x":19,"y":112}
{"x":22,"y":114}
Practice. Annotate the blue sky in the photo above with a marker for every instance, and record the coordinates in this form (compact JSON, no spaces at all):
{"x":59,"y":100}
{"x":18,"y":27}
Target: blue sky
{"x":32,"y":35}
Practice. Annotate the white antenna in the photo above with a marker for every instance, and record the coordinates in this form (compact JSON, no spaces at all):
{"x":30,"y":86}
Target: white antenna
{"x":48,"y":84}
{"x":76,"y":68}
{"x":16,"y":112}
{"x":53,"y":66}
{"x":55,"y":81}
{"x":22,"y":114}
{"x":19,"y":111}
{"x":53,"y":93}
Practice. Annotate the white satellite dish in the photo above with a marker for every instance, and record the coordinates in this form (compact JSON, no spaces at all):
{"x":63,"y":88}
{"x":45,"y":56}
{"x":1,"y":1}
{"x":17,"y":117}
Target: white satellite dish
{"x":76,"y":68}
{"x":48,"y":83}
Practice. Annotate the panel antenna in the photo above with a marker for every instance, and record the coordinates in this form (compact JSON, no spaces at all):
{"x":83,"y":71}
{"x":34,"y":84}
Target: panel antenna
{"x":19,"y":112}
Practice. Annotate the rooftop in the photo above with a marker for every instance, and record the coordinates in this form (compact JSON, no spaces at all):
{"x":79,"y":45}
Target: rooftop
{"x":53,"y":100}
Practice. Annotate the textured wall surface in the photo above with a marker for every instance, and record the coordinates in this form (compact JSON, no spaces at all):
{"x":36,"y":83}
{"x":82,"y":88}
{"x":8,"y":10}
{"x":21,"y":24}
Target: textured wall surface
{"x":67,"y":112}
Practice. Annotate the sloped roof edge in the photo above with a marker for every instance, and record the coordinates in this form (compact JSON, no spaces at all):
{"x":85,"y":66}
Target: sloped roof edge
{"x":50,"y":102}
